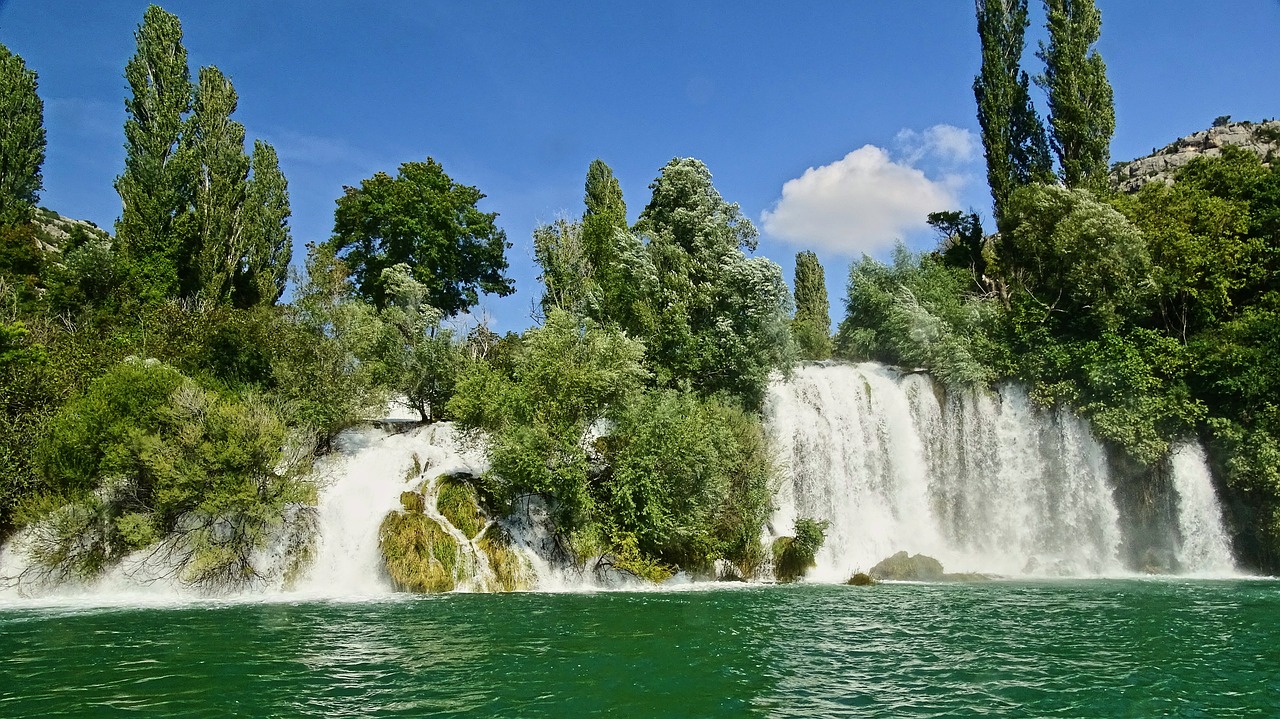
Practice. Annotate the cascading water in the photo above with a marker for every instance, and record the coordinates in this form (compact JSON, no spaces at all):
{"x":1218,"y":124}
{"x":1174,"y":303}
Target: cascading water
{"x":1204,"y":547}
{"x":362,"y":483}
{"x":980,"y":480}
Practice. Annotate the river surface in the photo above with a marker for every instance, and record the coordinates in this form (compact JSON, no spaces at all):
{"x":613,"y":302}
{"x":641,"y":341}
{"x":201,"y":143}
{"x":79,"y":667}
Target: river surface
{"x":1096,"y":648}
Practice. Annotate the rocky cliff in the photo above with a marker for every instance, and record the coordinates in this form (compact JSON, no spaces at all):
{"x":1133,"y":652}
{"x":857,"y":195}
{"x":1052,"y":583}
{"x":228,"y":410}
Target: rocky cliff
{"x":1261,"y":138}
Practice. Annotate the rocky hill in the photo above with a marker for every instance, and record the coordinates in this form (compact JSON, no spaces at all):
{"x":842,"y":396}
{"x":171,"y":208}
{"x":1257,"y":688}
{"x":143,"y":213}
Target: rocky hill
{"x":1261,"y":138}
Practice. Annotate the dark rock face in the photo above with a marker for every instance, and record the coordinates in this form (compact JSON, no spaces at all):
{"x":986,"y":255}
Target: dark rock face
{"x":1145,"y":498}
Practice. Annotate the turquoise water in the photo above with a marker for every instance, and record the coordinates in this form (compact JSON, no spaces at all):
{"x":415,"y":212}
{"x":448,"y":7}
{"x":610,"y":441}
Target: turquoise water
{"x":1103,"y":648}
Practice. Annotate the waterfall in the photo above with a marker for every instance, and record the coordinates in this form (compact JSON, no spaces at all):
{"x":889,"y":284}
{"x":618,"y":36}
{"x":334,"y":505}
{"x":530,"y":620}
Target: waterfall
{"x":361,"y":483}
{"x":981,"y":480}
{"x":1204,"y":547}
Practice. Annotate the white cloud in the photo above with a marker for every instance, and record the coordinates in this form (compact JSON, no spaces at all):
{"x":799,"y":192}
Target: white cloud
{"x":948,"y":144}
{"x":866,"y":201}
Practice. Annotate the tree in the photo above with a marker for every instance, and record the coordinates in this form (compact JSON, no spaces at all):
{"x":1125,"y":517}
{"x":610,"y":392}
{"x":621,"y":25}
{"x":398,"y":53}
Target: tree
{"x":713,"y":319}
{"x":22,"y":140}
{"x":419,"y":357}
{"x":1013,"y":137}
{"x":608,"y":245}
{"x":1075,"y":255}
{"x":1081,"y":105}
{"x":155,"y":188}
{"x":267,"y":240}
{"x":424,"y":219}
{"x":215,"y":143}
{"x":811,"y":327}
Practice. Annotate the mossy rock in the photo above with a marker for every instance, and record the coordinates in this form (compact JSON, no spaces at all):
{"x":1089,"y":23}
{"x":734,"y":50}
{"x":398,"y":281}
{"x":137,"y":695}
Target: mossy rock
{"x":418,"y":554}
{"x":413,"y":502}
{"x":457,"y":501}
{"x":861,"y":579}
{"x":905,"y":567}
{"x":510,"y":569}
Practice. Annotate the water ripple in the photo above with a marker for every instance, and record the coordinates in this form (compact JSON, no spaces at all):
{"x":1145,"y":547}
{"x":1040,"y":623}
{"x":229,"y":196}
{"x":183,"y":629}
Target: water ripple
{"x":1049,"y":649}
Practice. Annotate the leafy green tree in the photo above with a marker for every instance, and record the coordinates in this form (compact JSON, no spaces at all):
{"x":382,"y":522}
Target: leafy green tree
{"x":418,"y":355}
{"x":713,"y":319}
{"x":1013,"y":136}
{"x":919,"y":312}
{"x":215,"y":144}
{"x":1081,"y":103}
{"x":963,"y":243}
{"x":262,"y":274}
{"x":155,"y":188}
{"x":688,"y":481}
{"x":569,"y":274}
{"x":424,"y":219}
{"x":539,"y":416}
{"x":1080,"y":259}
{"x":811,"y":328}
{"x":1200,"y":253}
{"x":22,"y":142}
{"x":327,"y":373}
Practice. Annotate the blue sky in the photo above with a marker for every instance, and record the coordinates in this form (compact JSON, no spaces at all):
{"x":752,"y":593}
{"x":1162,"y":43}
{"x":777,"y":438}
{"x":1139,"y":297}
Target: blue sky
{"x":835,"y":128}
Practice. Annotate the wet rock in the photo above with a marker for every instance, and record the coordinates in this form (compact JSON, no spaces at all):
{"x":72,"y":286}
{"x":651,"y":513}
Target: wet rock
{"x":861,"y":579}
{"x":905,"y":567}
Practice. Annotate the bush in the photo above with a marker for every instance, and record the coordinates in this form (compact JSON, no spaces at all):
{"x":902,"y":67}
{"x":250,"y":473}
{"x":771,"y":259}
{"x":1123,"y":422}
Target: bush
{"x":215,"y":479}
{"x":794,"y":556}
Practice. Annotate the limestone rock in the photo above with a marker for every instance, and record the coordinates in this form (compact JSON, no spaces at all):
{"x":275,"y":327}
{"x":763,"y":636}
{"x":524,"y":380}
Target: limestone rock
{"x":905,"y":567}
{"x":1262,"y":139}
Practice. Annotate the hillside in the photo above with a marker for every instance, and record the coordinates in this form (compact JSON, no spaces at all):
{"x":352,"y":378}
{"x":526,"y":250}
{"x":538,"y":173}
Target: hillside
{"x":1263,"y":139}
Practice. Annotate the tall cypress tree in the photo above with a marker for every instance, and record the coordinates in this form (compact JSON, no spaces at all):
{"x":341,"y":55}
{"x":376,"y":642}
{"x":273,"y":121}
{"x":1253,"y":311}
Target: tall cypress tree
{"x":811,"y":328}
{"x":215,"y":144}
{"x":604,"y":227}
{"x":155,"y":189}
{"x":1081,"y":104}
{"x":1013,"y":136}
{"x":268,"y":243}
{"x":22,"y":140}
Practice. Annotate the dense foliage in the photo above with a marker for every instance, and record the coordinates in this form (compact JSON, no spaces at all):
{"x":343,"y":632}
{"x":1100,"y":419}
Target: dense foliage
{"x":811,"y":328}
{"x":22,"y":142}
{"x":423,"y":219}
{"x":1013,"y":137}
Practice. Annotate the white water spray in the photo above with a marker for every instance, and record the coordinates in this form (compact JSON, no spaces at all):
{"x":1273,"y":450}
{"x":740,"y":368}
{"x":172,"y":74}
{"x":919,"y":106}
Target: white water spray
{"x":1204,"y":547}
{"x":980,"y":480}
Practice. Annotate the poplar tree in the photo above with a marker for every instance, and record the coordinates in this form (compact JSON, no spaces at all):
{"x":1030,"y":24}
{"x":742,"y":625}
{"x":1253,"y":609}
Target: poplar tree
{"x":155,"y":189}
{"x":811,"y":328}
{"x":1013,"y":136}
{"x":215,"y":144}
{"x":22,"y":140}
{"x":607,"y":241}
{"x":1081,"y":105}
{"x":268,"y":242}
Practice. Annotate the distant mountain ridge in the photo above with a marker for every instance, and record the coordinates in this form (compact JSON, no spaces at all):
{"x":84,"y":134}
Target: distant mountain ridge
{"x":1260,"y":138}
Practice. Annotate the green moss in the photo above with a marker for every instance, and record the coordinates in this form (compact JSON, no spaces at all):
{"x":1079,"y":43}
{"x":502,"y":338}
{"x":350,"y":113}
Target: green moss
{"x":861,"y":579}
{"x":413,"y":502}
{"x":456,"y":499}
{"x":510,"y":569}
{"x":418,"y":554}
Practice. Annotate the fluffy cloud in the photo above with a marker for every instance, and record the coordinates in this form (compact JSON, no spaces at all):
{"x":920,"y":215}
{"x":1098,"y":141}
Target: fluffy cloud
{"x":868,"y":200}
